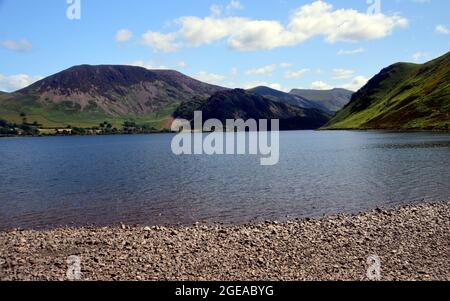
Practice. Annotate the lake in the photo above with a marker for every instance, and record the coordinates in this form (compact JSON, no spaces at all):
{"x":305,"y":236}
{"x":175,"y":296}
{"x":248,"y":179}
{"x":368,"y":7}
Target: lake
{"x":78,"y":181}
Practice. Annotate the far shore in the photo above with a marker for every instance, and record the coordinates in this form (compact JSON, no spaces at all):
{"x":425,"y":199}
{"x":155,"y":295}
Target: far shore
{"x":410,"y":242}
{"x":170,"y":132}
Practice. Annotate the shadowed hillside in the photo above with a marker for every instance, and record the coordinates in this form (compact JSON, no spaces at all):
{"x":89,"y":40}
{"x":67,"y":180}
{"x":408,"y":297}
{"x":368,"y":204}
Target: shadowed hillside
{"x":333,"y":100}
{"x":290,"y":99}
{"x":241,"y":104}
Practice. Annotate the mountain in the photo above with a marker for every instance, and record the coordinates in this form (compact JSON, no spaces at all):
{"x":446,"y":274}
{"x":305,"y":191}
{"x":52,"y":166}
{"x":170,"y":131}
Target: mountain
{"x":241,"y":104}
{"x":86,"y":95}
{"x":333,"y":100}
{"x":401,"y":96}
{"x":287,"y":98}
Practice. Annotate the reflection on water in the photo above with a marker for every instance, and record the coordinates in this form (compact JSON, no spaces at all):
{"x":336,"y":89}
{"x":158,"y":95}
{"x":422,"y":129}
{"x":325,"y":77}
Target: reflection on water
{"x":48,"y":182}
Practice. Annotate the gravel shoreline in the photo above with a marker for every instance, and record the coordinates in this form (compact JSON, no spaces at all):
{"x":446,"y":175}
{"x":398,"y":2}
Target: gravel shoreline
{"x":412,"y":243}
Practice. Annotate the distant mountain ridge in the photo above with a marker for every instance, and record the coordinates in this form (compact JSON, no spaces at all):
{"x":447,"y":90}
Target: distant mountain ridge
{"x":241,"y":104}
{"x":333,"y":100}
{"x":401,"y":96}
{"x":86,"y":95}
{"x":119,"y":89}
{"x":287,"y":98}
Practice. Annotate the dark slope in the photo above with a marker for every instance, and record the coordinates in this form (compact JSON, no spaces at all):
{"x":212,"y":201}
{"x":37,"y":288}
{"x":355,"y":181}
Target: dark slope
{"x":287,"y":98}
{"x":333,"y":100}
{"x":241,"y":104}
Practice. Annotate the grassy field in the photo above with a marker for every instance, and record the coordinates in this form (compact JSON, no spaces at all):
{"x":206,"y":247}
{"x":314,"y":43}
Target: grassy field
{"x":402,"y":96}
{"x":61,"y":116}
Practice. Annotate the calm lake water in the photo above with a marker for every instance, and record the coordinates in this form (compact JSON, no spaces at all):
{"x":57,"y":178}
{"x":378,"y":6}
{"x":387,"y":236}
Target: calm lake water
{"x":55,"y":181}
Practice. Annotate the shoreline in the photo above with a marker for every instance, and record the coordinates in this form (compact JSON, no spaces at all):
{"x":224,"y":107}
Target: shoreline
{"x":411,"y":241}
{"x":405,"y":131}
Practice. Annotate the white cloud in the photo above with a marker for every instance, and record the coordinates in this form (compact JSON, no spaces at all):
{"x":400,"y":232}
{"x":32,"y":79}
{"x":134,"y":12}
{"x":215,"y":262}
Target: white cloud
{"x":351,"y":51}
{"x":22,"y":45}
{"x":420,"y":56}
{"x":234,"y":5}
{"x":342,"y":73}
{"x":160,"y":42}
{"x":255,"y":84}
{"x":216,"y":10}
{"x":442,"y":29}
{"x":123,"y":35}
{"x":152,"y":66}
{"x":181,"y":64}
{"x":285,"y":65}
{"x":320,"y":85}
{"x":262,"y":70}
{"x":234,"y":72}
{"x":16,"y":82}
{"x":196,"y":32}
{"x":345,"y":25}
{"x":146,"y":65}
{"x":357,"y":83}
{"x":209,"y":77}
{"x":295,"y":74}
{"x":316,"y":19}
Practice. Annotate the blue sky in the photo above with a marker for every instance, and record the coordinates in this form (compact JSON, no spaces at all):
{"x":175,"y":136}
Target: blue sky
{"x":284,"y":44}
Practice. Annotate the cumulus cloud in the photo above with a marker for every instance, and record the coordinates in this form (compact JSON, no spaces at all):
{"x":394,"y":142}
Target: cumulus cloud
{"x":181,"y":64}
{"x":262,"y":70}
{"x":211,"y":78}
{"x":354,"y":85}
{"x":217,"y":10}
{"x":342,"y":73}
{"x":16,"y":82}
{"x":350,"y":51}
{"x":442,"y":29}
{"x":160,"y":42}
{"x":22,"y":45}
{"x":295,"y":74}
{"x":420,"y":56}
{"x":123,"y":35}
{"x":146,"y":65}
{"x":285,"y":65}
{"x":320,"y":85}
{"x":234,"y":72}
{"x":316,"y":19}
{"x":255,"y":84}
{"x":357,"y":83}
{"x":342,"y":25}
{"x":234,"y":5}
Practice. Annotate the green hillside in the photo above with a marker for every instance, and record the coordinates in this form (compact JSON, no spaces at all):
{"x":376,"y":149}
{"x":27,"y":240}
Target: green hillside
{"x":85,"y":96}
{"x":402,"y":96}
{"x":61,"y":115}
